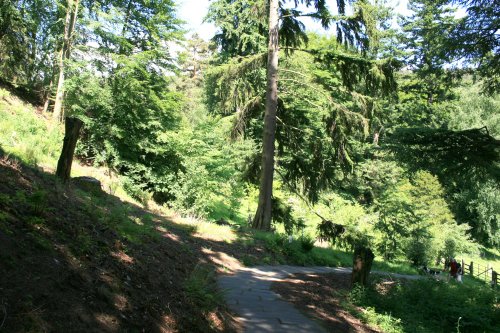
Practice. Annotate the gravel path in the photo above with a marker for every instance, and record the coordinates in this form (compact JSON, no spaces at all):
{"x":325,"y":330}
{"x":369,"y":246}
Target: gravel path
{"x":261,"y":310}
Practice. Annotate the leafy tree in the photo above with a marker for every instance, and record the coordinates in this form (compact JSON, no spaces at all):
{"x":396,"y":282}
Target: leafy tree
{"x":124,"y":94}
{"x":243,"y":80}
{"x":415,"y":220}
{"x":209,"y":183}
{"x":27,"y":43}
{"x":193,"y":62}
{"x":71,"y":15}
{"x":464,"y":160}
{"x":12,"y":33}
{"x":476,"y":110}
{"x":242,"y":27}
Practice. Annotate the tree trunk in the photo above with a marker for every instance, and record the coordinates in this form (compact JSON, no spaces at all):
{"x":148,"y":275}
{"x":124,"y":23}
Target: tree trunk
{"x":46,"y":103}
{"x":69,"y":27}
{"x":362,"y":264}
{"x":262,"y":219}
{"x":72,"y":131}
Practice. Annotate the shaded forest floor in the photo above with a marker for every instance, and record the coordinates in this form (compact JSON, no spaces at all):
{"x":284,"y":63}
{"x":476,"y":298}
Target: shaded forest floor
{"x":74,"y":261}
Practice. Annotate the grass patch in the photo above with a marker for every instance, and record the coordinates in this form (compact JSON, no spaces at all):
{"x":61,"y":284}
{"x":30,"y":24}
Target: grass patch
{"x":487,"y":257}
{"x":428,"y":305}
{"x":299,"y":251}
{"x":401,"y":267}
{"x":27,"y":135}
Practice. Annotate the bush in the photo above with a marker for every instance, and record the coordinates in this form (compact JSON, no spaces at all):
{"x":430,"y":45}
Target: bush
{"x":276,"y":243}
{"x":419,"y":252}
{"x":307,"y":243}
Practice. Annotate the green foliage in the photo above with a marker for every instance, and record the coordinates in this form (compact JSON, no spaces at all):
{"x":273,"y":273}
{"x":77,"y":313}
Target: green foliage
{"x":426,"y":37}
{"x":466,"y":161}
{"x":475,"y":39}
{"x":210,"y":184}
{"x":400,"y":266}
{"x":282,"y":251}
{"x":127,"y":133}
{"x":38,"y":201}
{"x":348,"y":224}
{"x":476,"y":110}
{"x":419,"y":251}
{"x":201,"y":288}
{"x":417,"y":221}
{"x":428,"y":305}
{"x":283,"y":213}
{"x":165,"y":123}
{"x":27,"y":136}
{"x":27,"y":43}
{"x":307,"y":243}
{"x":242,"y":24}
{"x":301,"y":155}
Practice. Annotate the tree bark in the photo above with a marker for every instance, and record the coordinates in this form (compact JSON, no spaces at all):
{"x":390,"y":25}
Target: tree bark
{"x":72,"y":131}
{"x":69,"y":27}
{"x":362,"y":264}
{"x":262,"y":219}
{"x":46,"y":103}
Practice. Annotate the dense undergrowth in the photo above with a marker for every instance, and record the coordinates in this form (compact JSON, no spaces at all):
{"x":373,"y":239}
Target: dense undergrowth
{"x":428,"y":305}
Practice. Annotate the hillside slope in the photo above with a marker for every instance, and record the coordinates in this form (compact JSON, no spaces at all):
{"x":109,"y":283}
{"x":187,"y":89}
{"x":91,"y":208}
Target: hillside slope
{"x":72,"y":261}
{"x":75,"y":261}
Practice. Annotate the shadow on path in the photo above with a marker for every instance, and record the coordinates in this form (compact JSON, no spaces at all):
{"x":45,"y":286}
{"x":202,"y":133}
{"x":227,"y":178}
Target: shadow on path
{"x":248,"y":293}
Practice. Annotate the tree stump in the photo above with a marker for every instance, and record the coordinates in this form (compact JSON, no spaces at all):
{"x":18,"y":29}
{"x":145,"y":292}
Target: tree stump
{"x":72,"y":131}
{"x":362,"y":264}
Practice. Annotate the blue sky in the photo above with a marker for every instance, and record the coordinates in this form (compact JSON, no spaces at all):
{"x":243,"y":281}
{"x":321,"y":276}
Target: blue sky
{"x":193,"y":12}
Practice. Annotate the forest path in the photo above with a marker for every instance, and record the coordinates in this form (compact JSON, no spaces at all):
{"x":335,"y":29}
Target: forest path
{"x":248,"y":293}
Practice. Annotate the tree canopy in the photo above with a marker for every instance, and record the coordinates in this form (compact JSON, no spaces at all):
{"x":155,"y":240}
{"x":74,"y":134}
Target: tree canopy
{"x":383,"y":127}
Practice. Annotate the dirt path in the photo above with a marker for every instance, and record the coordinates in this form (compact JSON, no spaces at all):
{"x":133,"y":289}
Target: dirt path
{"x":248,"y":293}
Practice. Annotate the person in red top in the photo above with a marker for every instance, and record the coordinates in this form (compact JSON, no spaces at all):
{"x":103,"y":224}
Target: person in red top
{"x":453,"y":268}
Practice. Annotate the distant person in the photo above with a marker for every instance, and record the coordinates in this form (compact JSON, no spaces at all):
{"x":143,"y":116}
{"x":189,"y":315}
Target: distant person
{"x":453,"y":268}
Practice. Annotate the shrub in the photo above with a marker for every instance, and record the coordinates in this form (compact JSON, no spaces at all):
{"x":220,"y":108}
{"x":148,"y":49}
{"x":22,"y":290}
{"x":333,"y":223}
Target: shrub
{"x":307,"y":243}
{"x":418,"y":251}
{"x":276,"y":243}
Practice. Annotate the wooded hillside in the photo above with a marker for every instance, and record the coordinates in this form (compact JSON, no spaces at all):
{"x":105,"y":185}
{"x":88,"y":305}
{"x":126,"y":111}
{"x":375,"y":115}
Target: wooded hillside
{"x":382,"y":131}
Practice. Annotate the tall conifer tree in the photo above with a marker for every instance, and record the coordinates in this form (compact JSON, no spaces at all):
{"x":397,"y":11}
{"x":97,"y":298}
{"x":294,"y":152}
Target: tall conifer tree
{"x":285,"y":29}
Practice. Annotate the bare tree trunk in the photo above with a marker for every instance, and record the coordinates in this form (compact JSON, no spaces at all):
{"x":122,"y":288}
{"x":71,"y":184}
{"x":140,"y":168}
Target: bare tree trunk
{"x":72,"y":131}
{"x":362,"y":265}
{"x":69,"y":27}
{"x":262,"y":219}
